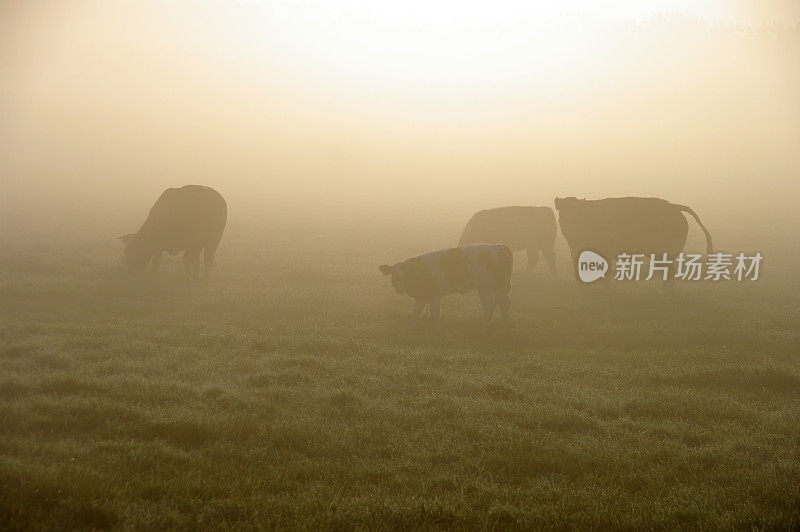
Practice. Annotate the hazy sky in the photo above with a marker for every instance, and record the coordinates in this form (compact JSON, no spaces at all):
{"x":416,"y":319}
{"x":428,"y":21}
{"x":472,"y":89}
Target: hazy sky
{"x":370,"y":107}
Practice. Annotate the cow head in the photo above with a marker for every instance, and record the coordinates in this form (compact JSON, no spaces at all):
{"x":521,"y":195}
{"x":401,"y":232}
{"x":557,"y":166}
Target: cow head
{"x":137,"y":252}
{"x":566,"y":204}
{"x":568,"y":212}
{"x":397,"y":273}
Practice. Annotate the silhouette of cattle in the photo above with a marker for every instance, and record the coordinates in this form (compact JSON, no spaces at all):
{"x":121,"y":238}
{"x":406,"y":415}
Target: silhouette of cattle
{"x":189,"y":219}
{"x":429,"y":277}
{"x":625,"y":225}
{"x":530,"y":228}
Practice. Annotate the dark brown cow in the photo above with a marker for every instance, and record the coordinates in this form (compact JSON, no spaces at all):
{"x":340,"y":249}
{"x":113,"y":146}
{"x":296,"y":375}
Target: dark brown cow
{"x":530,"y":228}
{"x":189,"y":219}
{"x":625,"y":225}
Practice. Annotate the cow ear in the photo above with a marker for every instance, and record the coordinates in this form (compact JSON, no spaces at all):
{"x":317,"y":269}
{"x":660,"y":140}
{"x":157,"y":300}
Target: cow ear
{"x":385,"y":269}
{"x":126,"y":238}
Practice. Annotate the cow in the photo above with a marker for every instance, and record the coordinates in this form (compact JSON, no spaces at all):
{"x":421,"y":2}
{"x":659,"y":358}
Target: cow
{"x":530,"y":228}
{"x":189,"y":219}
{"x":428,"y":277}
{"x":625,"y":225}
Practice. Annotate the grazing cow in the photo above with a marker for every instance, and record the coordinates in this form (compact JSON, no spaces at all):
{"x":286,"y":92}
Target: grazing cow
{"x":429,"y":277}
{"x":625,"y":225}
{"x":530,"y":228}
{"x":189,"y":219}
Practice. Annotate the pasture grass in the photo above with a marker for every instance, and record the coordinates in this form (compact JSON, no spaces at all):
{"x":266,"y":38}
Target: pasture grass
{"x":291,"y":391}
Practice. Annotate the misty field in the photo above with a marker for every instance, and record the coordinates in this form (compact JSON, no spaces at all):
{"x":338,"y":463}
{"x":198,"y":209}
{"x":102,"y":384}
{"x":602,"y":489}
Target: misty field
{"x":290,"y":390}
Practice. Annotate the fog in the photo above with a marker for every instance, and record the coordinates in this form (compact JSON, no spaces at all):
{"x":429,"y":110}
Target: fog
{"x":396,"y":115}
{"x":294,"y":358}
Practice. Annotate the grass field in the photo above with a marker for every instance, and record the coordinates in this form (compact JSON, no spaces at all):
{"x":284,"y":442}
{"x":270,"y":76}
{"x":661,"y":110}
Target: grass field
{"x":291,"y":391}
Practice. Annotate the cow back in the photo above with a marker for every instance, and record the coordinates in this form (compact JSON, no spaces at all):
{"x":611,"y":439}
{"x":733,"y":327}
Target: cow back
{"x":516,"y":227}
{"x":616,"y":225}
{"x":186,"y":217}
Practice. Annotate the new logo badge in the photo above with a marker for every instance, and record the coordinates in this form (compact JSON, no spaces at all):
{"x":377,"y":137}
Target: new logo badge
{"x":591,"y":266}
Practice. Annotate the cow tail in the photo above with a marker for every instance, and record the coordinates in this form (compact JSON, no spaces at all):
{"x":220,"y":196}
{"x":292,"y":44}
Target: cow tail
{"x":505,"y":265}
{"x":709,"y":247}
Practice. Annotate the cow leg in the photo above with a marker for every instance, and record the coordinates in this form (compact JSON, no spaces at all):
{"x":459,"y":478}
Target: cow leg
{"x":533,"y":257}
{"x":503,"y":302}
{"x":419,"y":308}
{"x":156,"y":260}
{"x":187,"y":262}
{"x":208,"y":260}
{"x":550,"y":256}
{"x":196,"y":264}
{"x":436,"y":312}
{"x":574,"y":256}
{"x":191,"y":262}
{"x":488,"y":303}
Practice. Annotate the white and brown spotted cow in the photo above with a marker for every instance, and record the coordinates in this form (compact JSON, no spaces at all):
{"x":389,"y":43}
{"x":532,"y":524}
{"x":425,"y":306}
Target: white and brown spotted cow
{"x":430,"y":276}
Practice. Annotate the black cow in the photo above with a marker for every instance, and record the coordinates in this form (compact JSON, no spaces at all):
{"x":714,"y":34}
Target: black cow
{"x":625,"y":225}
{"x":189,"y":219}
